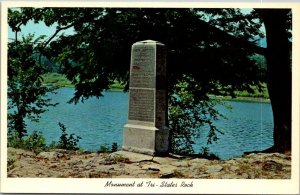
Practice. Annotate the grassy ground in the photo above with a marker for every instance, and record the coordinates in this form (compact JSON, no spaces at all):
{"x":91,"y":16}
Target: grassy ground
{"x":256,"y":94}
{"x":59,"y":80}
{"x":117,"y":86}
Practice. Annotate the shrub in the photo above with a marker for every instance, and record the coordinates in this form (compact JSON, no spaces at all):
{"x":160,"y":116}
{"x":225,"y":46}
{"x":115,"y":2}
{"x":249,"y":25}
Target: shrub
{"x":13,"y":140}
{"x":107,"y":149}
{"x":67,"y":142}
{"x":191,"y":111}
{"x":35,"y":142}
{"x":114,"y":147}
{"x":205,"y":153}
{"x":104,"y":149}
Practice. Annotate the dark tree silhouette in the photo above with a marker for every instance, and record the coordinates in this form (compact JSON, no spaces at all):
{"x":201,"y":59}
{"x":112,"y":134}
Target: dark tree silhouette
{"x":279,"y":75}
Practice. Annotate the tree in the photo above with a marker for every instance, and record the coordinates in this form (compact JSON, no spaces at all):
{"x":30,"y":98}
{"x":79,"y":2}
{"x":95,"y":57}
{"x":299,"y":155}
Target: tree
{"x":25,"y":90}
{"x":279,"y":75}
{"x":210,"y":49}
{"x":278,"y":55}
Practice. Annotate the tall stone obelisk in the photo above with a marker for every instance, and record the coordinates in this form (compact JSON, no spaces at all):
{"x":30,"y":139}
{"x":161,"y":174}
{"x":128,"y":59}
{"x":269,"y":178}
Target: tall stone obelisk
{"x":146,"y":130}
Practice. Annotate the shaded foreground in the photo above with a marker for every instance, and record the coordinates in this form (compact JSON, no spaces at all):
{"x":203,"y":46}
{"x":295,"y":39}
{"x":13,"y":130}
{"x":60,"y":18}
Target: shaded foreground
{"x":121,"y":164}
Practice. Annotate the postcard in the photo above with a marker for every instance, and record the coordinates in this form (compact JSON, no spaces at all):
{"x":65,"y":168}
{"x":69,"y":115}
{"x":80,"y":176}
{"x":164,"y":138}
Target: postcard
{"x":150,"y":97}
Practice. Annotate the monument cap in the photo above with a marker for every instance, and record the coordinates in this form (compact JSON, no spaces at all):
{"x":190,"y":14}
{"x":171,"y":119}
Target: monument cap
{"x":149,"y":41}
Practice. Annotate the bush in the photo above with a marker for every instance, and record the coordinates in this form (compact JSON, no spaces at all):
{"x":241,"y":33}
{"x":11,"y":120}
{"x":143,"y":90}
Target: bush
{"x":104,"y":149}
{"x":35,"y":142}
{"x":205,"y":153}
{"x":67,"y":142}
{"x":107,"y":149}
{"x":114,"y":147}
{"x":13,"y":140}
{"x":191,"y":111}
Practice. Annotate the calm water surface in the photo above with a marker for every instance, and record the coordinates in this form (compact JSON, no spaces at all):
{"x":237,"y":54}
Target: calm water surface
{"x":101,"y":121}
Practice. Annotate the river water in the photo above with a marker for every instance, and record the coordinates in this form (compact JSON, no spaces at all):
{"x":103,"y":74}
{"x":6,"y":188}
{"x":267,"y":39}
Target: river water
{"x":100,"y":121}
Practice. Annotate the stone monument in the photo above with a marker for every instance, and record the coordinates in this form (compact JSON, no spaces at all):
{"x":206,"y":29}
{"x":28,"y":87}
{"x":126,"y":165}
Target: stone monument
{"x":146,"y":131}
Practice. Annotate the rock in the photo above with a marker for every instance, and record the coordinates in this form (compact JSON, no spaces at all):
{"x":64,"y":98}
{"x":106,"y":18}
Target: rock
{"x":251,"y":175}
{"x":152,"y":167}
{"x":60,"y":155}
{"x":229,"y":176}
{"x":271,"y":165}
{"x":180,"y":164}
{"x":164,"y":160}
{"x":232,"y":162}
{"x":279,"y":155}
{"x":260,"y":166}
{"x":167,"y":175}
{"x":49,"y":155}
{"x":245,"y":176}
{"x":88,"y":167}
{"x":64,"y":151}
{"x":133,"y":157}
{"x":53,"y":166}
{"x":214,"y":168}
{"x":233,"y":168}
{"x":176,"y":156}
{"x":287,"y":158}
{"x":199,"y":161}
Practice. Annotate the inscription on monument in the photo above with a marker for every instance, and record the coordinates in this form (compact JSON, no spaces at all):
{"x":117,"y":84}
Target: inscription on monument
{"x":142,"y":69}
{"x":141,"y":105}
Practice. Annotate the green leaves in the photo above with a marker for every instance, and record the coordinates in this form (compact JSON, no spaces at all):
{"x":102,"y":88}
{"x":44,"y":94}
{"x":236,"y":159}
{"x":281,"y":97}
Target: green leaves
{"x":191,"y":111}
{"x":27,"y":95}
{"x":205,"y":43}
{"x":67,"y":142}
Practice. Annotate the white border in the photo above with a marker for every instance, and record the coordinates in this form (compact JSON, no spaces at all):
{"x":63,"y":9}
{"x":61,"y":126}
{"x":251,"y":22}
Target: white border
{"x":224,"y":186}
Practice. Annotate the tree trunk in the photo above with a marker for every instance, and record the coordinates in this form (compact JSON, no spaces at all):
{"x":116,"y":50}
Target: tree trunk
{"x":279,"y":76}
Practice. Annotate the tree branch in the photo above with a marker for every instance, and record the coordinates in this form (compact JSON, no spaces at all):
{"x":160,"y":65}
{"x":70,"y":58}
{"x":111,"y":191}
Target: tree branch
{"x":52,"y":37}
{"x":236,"y":41}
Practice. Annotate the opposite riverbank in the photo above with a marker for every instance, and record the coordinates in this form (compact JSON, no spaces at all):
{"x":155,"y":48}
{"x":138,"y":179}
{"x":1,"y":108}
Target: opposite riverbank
{"x":59,"y":80}
{"x":121,"y":164}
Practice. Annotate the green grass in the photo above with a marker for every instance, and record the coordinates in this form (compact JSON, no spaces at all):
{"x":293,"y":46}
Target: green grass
{"x":60,"y":80}
{"x":244,"y":96}
{"x":256,"y":94}
{"x":117,"y":86}
{"x":56,"y":80}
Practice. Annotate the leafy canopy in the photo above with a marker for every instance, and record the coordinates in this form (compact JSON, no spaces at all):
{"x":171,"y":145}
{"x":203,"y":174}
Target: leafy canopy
{"x":205,"y":50}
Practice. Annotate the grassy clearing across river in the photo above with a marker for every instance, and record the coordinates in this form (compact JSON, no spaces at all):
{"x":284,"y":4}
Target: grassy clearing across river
{"x":60,"y":80}
{"x":56,"y":80}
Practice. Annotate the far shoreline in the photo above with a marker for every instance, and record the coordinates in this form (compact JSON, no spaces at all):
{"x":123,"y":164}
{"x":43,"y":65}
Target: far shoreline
{"x":243,"y":99}
{"x":59,"y":81}
{"x":224,"y":98}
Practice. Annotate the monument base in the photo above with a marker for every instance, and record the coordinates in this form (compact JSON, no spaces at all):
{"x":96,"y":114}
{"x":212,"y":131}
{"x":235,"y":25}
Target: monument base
{"x":145,"y":139}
